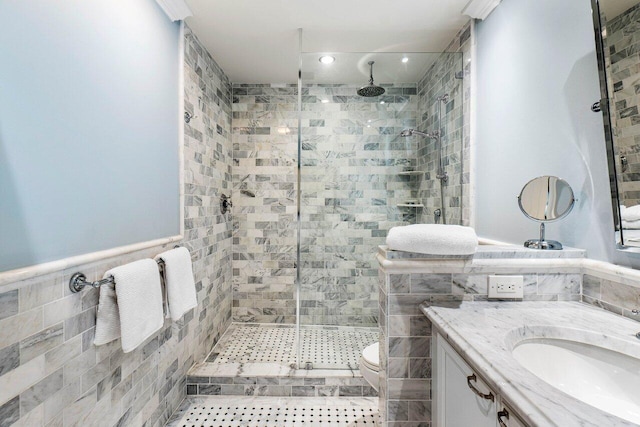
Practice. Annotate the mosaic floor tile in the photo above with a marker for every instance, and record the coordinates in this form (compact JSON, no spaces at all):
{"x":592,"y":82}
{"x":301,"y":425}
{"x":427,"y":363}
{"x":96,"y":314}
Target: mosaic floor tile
{"x":226,"y":411}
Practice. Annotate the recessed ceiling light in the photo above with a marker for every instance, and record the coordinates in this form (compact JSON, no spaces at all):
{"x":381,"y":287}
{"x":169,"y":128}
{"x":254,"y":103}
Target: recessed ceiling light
{"x":327,"y":59}
{"x":405,"y":60}
{"x":324,"y":101}
{"x":381,"y":102}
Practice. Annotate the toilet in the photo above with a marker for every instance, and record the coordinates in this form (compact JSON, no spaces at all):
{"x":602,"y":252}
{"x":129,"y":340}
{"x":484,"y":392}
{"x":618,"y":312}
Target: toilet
{"x":370,"y":364}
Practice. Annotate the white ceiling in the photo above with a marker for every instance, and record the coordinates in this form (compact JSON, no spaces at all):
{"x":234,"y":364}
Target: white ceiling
{"x":256,"y":41}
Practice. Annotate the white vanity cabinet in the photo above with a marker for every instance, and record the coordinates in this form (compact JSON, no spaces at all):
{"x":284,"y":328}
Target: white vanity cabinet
{"x":461,"y":397}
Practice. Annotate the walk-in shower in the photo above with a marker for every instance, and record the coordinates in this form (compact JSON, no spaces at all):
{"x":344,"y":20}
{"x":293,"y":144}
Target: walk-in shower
{"x":358,"y":178}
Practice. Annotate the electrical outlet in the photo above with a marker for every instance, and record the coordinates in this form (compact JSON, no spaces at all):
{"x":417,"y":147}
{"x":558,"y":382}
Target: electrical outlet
{"x":509,"y":287}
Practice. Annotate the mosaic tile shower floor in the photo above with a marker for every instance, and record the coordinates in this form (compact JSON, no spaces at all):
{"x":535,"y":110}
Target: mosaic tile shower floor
{"x":235,"y":411}
{"x":331,"y":347}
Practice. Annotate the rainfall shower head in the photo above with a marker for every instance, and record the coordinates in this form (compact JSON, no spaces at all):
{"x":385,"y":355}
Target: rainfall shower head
{"x":371,"y":89}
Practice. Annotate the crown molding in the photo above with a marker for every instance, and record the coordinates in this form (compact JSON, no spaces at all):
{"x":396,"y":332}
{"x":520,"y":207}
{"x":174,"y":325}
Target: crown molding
{"x":176,"y":10}
{"x":480,"y":9}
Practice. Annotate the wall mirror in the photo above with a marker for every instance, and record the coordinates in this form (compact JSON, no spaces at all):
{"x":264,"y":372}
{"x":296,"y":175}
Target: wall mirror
{"x":545,"y":199}
{"x":617,"y":31}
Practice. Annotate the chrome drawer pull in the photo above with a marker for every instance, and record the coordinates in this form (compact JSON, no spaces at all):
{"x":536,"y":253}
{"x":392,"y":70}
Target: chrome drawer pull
{"x":503,"y":413}
{"x":488,"y":396}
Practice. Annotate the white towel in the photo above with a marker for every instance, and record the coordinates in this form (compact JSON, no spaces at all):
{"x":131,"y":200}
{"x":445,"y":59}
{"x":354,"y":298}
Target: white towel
{"x":108,"y":319}
{"x":433,"y":239}
{"x":179,"y":284}
{"x":137,"y":298}
{"x":631,"y":213}
{"x":631,"y":225}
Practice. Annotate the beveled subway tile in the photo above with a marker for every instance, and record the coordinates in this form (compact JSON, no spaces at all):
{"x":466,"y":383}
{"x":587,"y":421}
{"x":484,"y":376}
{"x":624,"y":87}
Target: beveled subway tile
{"x":41,"y":391}
{"x":431,"y":283}
{"x":39,"y":343}
{"x":40,"y":293}
{"x":15,"y":328}
{"x":10,"y":412}
{"x":21,"y":378}
{"x":9,"y":358}
{"x":9,"y":305}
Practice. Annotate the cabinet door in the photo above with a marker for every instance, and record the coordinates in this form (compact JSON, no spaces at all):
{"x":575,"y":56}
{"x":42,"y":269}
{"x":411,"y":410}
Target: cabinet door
{"x":457,"y":404}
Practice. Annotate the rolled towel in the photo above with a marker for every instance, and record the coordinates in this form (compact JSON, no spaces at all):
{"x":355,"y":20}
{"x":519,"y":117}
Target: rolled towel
{"x":137,"y":298}
{"x":632,"y":213}
{"x":179,"y":283}
{"x":631,"y":225}
{"x":433,"y":239}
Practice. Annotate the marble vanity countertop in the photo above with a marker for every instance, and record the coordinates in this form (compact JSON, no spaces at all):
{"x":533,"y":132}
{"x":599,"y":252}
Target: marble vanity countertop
{"x":487,"y":252}
{"x":484,"y":333}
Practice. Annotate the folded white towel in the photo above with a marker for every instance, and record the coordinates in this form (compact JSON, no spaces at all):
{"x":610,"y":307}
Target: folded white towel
{"x":138,"y":300}
{"x":632,"y":213}
{"x":433,"y":239}
{"x":631,"y":225}
{"x":179,"y":284}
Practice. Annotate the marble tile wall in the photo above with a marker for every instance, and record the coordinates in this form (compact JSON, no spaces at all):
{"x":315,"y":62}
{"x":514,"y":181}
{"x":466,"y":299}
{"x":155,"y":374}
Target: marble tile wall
{"x":616,"y":297}
{"x":351,"y":156}
{"x":351,"y":153}
{"x":406,"y":333}
{"x":50,"y":372}
{"x":265,"y":138}
{"x":623,"y":64}
{"x":450,"y":74}
{"x":286,"y":385}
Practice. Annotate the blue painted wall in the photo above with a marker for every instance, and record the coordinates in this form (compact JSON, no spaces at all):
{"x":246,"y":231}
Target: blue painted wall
{"x":537,"y":78}
{"x":88,"y":127}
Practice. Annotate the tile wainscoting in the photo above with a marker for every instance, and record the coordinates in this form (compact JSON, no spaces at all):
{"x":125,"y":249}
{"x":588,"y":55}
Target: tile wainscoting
{"x":51,"y":374}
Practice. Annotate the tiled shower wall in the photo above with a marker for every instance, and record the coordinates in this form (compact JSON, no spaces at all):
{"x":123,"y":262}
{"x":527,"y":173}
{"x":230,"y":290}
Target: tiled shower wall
{"x":448,"y":75}
{"x":621,"y":41}
{"x":351,"y":156}
{"x":265,"y":137}
{"x":50,"y":372}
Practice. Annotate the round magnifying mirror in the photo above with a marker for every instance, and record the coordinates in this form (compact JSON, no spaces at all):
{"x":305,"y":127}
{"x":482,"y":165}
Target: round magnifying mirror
{"x":546,"y":199}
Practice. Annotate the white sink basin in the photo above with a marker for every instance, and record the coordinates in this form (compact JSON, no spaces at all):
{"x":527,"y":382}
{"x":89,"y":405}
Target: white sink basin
{"x":608,"y":380}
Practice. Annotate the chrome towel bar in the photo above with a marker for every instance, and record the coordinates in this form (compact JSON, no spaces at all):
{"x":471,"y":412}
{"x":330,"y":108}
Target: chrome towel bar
{"x":79,"y":281}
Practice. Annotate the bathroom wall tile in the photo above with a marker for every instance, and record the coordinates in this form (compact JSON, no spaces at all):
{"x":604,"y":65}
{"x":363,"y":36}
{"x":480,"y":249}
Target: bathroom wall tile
{"x":591,"y":286}
{"x":559,"y":284}
{"x":620,"y":295}
{"x":399,"y":326}
{"x":41,"y":391}
{"x":408,"y":389}
{"x":39,"y":343}
{"x":40,"y":293}
{"x":80,"y":323}
{"x":431,"y":283}
{"x":420,"y":368}
{"x":20,"y":326}
{"x":9,"y":358}
{"x":420,"y":410}
{"x":399,"y":283}
{"x":409,"y":347}
{"x":470,"y":283}
{"x":398,"y":410}
{"x":59,"y":310}
{"x":398,"y":367}
{"x":9,"y":304}
{"x":10,"y":412}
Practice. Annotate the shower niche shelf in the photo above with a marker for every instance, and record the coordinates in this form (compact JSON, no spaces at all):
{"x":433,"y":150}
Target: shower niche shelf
{"x":411,"y":173}
{"x":410,"y":205}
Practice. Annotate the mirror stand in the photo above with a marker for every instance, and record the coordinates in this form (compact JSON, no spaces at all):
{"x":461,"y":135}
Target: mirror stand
{"x":552,"y":245}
